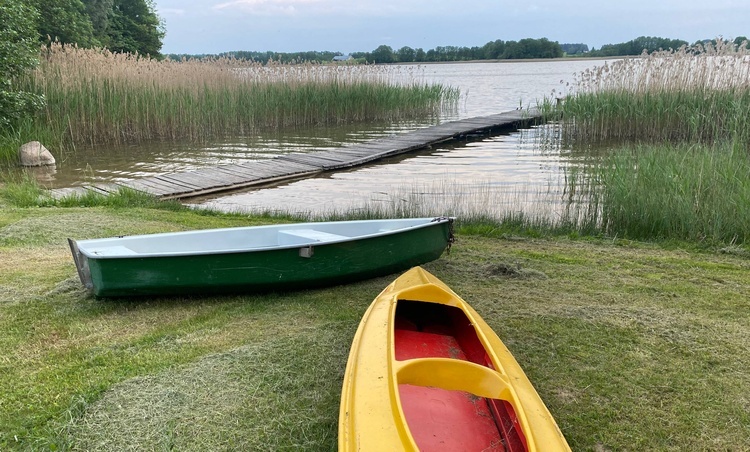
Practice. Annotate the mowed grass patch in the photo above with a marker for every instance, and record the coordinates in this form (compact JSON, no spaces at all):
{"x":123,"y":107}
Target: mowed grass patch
{"x":631,"y":345}
{"x":236,"y":398}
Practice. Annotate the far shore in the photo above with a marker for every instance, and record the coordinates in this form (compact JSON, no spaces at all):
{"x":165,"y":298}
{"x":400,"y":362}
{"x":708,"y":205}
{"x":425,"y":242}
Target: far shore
{"x":524,"y":60}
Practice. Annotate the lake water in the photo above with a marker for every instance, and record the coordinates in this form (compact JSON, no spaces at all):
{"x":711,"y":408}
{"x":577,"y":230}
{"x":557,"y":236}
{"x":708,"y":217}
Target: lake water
{"x":507,"y":171}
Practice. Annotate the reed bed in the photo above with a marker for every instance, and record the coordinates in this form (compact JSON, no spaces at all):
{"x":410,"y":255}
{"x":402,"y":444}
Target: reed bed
{"x":668,"y":135}
{"x":97,"y":97}
{"x":688,"y":192}
{"x":693,"y":94}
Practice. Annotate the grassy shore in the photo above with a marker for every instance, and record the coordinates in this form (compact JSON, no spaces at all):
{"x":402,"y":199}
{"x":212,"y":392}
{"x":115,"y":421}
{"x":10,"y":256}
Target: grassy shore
{"x":632,"y":345}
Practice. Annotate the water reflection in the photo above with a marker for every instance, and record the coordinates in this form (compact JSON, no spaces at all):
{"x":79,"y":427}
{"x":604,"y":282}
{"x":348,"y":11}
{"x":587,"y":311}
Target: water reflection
{"x":88,"y":165}
{"x":42,"y":174}
{"x":489,"y":176}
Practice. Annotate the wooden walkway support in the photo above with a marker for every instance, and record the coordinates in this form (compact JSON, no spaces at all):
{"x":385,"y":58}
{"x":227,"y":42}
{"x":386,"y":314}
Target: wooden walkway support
{"x":204,"y":181}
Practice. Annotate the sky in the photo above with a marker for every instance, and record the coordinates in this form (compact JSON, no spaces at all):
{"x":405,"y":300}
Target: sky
{"x":215,"y":26}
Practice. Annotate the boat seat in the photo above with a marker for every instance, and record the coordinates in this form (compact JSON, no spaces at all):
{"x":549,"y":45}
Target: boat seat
{"x":454,"y":375}
{"x":306,"y":236}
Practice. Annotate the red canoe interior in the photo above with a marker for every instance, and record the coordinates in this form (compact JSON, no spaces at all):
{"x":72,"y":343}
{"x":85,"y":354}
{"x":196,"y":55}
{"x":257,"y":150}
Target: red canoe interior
{"x":440,"y":419}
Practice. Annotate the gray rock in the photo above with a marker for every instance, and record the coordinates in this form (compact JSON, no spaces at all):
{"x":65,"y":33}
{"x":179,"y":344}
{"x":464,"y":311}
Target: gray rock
{"x":34,"y":153}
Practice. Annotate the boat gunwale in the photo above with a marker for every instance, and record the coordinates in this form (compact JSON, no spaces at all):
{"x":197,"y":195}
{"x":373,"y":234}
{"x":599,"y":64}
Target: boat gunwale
{"x":257,"y":249}
{"x":536,"y":424}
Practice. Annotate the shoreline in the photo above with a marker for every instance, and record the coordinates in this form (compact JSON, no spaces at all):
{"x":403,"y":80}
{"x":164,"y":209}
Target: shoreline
{"x":524,"y":60}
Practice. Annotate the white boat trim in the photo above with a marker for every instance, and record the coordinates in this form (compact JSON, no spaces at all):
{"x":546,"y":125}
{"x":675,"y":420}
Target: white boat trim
{"x":262,"y":238}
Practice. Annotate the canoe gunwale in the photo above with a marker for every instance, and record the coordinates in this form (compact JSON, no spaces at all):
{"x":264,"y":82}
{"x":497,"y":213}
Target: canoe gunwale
{"x":311,"y":243}
{"x":380,"y":407}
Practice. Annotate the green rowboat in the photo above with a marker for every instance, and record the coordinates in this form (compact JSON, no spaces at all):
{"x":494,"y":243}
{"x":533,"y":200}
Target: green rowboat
{"x":261,"y":258}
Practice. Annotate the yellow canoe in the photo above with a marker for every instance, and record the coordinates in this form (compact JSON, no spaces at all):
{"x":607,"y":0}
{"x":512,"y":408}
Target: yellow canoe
{"x":425,"y":372}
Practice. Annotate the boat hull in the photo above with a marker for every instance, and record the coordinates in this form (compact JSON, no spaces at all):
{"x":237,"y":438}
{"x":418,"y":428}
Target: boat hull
{"x":275,"y":268}
{"x":425,"y":372}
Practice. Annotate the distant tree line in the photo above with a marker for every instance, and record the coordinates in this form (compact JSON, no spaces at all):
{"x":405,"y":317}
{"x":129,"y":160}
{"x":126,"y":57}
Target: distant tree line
{"x":650,"y":44}
{"x":637,"y":46}
{"x":494,"y":50}
{"x":264,"y":57}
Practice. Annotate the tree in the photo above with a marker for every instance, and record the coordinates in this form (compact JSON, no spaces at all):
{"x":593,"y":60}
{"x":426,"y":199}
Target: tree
{"x":493,"y":50}
{"x":19,"y":51}
{"x":574,"y":49}
{"x":99,"y":12}
{"x":639,"y":45}
{"x":383,"y":54}
{"x":406,"y":54}
{"x":65,"y":21}
{"x":134,"y":27}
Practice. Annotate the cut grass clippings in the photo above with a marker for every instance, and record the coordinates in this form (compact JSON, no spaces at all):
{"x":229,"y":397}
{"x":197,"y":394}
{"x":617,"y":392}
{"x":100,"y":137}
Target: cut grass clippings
{"x":631,"y":345}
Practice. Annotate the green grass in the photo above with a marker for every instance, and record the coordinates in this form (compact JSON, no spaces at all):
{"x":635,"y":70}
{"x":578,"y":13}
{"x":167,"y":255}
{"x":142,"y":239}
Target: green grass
{"x":631,"y":345}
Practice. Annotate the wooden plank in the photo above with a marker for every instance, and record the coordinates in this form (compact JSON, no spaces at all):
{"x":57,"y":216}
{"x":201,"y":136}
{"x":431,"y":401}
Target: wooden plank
{"x":193,"y":175}
{"x":108,"y":188}
{"x":258,"y":172}
{"x":150,"y":187}
{"x":333,"y":156}
{"x":178,"y":179}
{"x":227,"y":179}
{"x":198,"y":182}
{"x":297,"y":167}
{"x":139,"y":186}
{"x":240,"y":171}
{"x":97,"y":189}
{"x":181,"y":178}
{"x":309,"y":159}
{"x":158,"y":183}
{"x":288,"y":166}
{"x":194,"y":179}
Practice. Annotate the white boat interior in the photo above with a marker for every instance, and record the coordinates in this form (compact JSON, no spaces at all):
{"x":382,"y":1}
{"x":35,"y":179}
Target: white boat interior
{"x":245,"y":239}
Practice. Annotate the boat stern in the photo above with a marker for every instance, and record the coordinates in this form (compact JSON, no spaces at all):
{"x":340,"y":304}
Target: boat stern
{"x":82,"y":265}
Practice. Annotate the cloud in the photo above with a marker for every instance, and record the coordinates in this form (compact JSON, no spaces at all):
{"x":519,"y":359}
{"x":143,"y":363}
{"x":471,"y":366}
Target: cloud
{"x":270,"y":7}
{"x":340,"y":8}
{"x":171,"y":11}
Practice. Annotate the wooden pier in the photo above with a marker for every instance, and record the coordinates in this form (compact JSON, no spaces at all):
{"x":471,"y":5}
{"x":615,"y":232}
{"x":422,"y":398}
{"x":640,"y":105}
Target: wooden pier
{"x":204,"y":181}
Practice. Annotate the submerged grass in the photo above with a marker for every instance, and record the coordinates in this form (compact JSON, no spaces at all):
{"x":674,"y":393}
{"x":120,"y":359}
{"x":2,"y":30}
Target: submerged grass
{"x":631,"y":345}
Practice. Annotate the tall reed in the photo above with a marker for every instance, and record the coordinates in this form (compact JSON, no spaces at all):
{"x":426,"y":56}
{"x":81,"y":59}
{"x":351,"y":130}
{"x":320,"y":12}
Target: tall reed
{"x":693,"y":94}
{"x":97,"y":97}
{"x":687,"y":192}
